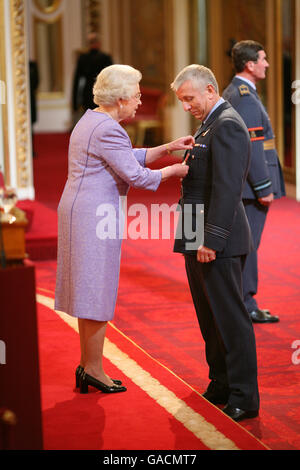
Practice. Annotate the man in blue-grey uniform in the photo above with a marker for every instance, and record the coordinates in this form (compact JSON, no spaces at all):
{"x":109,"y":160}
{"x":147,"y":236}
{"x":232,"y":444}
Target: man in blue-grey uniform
{"x":215,"y":250}
{"x":265,"y":181}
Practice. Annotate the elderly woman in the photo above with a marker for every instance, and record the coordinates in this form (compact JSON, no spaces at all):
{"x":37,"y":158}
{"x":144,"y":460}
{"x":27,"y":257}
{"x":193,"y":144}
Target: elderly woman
{"x":102,"y":167}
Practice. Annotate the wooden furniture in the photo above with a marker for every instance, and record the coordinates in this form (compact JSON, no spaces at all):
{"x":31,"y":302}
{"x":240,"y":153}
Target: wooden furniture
{"x":8,"y":423}
{"x":20,"y":421}
{"x":13,"y":236}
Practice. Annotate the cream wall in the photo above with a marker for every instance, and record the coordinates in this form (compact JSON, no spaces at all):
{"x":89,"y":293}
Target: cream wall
{"x":178,"y":120}
{"x":54,"y":110}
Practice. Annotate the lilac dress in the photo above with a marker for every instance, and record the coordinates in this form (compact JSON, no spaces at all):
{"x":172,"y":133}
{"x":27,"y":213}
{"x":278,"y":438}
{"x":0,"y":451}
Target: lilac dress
{"x":102,"y":167}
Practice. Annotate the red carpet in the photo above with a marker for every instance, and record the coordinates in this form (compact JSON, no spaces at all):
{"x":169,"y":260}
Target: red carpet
{"x":131,"y":420}
{"x":168,"y":328}
{"x":41,"y":234}
{"x":50,"y":167}
{"x":156,"y":312}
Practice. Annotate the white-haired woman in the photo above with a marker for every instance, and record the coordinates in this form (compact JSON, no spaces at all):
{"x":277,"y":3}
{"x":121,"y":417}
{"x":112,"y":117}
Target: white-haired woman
{"x":102,"y":167}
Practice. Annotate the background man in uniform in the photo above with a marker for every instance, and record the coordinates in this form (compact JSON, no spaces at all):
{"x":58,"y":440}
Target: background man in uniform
{"x":265,"y":180}
{"x":218,"y":167}
{"x":89,"y":65}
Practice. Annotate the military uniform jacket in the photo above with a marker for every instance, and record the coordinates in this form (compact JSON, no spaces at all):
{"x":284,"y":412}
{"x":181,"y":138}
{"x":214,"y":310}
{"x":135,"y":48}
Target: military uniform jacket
{"x":218,"y":168}
{"x":265,"y":174}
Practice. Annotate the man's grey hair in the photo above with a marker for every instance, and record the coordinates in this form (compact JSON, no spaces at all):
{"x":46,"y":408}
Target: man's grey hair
{"x":199,"y":75}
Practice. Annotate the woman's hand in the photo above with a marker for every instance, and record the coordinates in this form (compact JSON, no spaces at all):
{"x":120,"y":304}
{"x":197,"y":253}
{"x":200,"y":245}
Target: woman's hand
{"x":178,"y":170}
{"x":183,"y":143}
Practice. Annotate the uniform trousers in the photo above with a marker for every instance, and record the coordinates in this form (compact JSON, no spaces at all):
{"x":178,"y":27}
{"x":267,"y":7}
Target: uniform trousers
{"x":226,"y":327}
{"x":256,"y":214}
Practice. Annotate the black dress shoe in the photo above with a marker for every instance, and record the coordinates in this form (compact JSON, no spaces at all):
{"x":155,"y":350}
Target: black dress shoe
{"x":263,"y":316}
{"x":216,"y":393}
{"x":85,"y":380}
{"x":237,"y":414}
{"x":79,"y":370}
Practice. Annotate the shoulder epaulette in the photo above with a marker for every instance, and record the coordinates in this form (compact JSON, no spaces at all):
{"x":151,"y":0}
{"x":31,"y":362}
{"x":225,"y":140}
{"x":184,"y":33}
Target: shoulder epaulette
{"x":244,"y":90}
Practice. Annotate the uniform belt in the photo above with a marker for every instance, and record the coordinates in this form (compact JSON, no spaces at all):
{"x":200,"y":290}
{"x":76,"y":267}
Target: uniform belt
{"x":269,"y":144}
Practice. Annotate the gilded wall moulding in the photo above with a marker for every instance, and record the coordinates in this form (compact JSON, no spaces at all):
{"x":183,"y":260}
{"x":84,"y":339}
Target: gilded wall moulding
{"x":92,"y":9}
{"x":3,"y":100}
{"x":20,"y":91}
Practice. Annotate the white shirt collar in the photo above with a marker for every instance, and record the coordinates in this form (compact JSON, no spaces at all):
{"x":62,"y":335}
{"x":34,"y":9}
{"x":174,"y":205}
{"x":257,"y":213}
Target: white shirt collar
{"x":218,"y":103}
{"x":247,"y":81}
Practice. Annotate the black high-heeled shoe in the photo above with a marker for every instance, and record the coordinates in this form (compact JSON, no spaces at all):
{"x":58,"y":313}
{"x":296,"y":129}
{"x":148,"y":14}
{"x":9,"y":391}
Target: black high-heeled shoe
{"x":85,"y":380}
{"x":79,"y":371}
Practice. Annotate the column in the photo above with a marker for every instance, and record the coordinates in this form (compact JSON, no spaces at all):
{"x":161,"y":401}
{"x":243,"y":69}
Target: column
{"x":178,"y":120}
{"x":16,"y":123}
